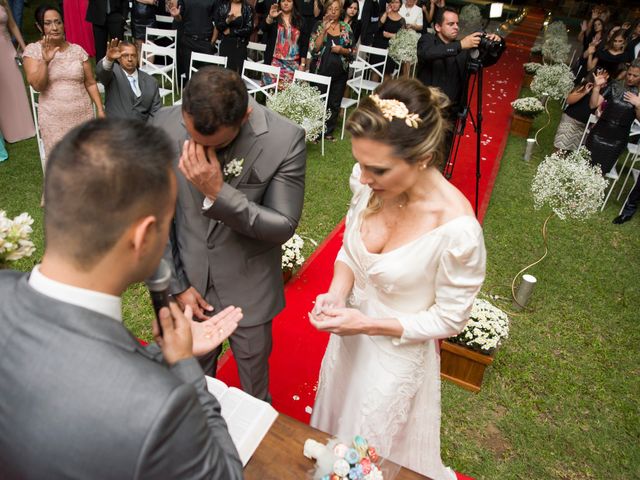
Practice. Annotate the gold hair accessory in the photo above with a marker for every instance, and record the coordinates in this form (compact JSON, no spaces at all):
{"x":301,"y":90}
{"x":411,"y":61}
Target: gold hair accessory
{"x":392,"y":108}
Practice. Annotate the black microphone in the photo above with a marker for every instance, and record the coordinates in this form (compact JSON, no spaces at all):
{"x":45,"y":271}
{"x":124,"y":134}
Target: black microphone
{"x":158,"y":285}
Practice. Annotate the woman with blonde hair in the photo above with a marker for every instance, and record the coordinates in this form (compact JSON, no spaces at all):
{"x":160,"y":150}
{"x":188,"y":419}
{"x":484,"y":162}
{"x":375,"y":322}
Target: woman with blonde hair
{"x":411,"y":264}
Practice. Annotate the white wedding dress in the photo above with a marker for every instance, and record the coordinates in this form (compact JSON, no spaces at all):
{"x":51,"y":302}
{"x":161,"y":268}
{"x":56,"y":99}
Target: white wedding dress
{"x":388,"y":389}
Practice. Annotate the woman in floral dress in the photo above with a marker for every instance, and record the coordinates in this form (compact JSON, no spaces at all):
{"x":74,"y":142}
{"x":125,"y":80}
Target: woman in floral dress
{"x":282,"y":29}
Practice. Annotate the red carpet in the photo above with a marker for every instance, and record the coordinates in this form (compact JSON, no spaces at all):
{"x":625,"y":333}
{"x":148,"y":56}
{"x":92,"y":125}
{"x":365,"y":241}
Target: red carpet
{"x":297,"y":347}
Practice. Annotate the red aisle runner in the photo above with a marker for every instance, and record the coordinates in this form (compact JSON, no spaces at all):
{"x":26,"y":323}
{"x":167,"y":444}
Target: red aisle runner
{"x":297,"y":347}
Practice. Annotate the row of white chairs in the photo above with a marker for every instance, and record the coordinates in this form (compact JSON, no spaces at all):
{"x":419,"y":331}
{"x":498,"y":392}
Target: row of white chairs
{"x":633,"y":154}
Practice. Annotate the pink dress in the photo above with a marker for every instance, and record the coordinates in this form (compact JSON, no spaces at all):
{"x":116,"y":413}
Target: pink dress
{"x":65,"y":102}
{"x":76,"y":28}
{"x":16,"y":122}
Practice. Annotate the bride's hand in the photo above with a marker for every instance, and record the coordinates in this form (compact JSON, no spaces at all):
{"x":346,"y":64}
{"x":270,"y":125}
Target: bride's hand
{"x":327,"y":300}
{"x":341,"y":321}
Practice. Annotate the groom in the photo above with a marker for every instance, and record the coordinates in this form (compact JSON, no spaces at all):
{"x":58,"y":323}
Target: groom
{"x":240,"y":193}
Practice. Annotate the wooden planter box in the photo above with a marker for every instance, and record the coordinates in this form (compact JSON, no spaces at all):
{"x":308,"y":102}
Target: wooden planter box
{"x":521,"y":125}
{"x":462,"y":366}
{"x":526,"y":81}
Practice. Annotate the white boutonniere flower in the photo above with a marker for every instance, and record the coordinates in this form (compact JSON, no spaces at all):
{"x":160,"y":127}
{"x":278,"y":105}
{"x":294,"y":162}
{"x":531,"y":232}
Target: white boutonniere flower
{"x":232,"y":169}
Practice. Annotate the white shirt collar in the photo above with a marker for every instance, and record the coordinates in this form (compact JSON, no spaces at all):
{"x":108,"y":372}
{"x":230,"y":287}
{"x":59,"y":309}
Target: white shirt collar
{"x":99,"y":302}
{"x":134,"y":74}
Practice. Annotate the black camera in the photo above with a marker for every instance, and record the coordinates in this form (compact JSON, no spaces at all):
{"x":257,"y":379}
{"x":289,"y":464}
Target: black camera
{"x":487,"y":48}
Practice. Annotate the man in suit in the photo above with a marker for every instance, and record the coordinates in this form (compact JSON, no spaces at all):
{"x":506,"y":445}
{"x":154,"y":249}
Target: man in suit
{"x":240,"y":194}
{"x":108,"y":18}
{"x":81,"y":398}
{"x":129,"y":92}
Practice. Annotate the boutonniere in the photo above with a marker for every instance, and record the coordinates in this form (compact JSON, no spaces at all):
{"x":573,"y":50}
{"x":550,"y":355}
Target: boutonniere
{"x":232,"y":169}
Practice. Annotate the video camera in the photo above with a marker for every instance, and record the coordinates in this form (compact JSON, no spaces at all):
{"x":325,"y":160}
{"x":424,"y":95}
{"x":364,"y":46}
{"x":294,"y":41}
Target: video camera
{"x":486,"y":48}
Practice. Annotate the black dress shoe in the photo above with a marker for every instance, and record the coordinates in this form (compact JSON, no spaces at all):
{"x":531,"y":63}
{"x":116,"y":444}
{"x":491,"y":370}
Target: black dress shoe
{"x":620,"y":219}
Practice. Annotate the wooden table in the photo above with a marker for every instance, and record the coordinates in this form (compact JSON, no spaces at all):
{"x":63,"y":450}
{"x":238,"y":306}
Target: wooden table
{"x":280,"y":457}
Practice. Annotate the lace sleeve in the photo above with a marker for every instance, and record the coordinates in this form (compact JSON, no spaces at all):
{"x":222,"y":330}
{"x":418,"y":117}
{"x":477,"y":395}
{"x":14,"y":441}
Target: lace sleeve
{"x":459,"y":277}
{"x":33,"y":50}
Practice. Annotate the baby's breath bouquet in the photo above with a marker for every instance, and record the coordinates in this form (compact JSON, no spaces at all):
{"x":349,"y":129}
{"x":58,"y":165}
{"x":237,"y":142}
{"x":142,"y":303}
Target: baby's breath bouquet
{"x":531,"y":67}
{"x":301,"y":103}
{"x":404,"y":46}
{"x":556,"y":29}
{"x":527,"y":106}
{"x":14,"y":237}
{"x":487,"y":327}
{"x":470,"y":19}
{"x":553,"y":81}
{"x":292,"y":253}
{"x":569,"y":185}
{"x":556,"y":50}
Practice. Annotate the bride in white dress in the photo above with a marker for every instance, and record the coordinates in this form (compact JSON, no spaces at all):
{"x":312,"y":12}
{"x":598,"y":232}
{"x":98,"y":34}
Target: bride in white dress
{"x":411,"y":264}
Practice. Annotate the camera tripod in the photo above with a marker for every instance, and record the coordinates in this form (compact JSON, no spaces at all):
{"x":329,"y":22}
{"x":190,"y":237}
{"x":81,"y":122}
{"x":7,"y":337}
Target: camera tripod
{"x":475,"y":78}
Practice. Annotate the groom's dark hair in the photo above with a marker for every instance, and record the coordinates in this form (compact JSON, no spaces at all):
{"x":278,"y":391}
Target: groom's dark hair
{"x":101,"y":177}
{"x":215,"y":97}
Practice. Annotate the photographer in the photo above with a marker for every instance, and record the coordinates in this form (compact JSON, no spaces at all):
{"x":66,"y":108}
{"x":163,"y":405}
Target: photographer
{"x":443,"y":60}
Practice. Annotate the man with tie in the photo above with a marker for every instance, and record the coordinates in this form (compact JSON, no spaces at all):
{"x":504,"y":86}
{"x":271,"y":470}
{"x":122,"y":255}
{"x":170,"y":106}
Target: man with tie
{"x":129,"y":92}
{"x":240,"y":194}
{"x":81,"y":397}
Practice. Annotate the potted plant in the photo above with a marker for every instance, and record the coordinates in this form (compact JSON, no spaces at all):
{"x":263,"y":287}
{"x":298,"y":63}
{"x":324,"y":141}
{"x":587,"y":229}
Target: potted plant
{"x":301,"y":103}
{"x":14,"y":238}
{"x":524,"y":111}
{"x":554,"y":82}
{"x":530,"y":69}
{"x":555,"y":50}
{"x":292,"y":257}
{"x":470,"y":19}
{"x":464,"y":358}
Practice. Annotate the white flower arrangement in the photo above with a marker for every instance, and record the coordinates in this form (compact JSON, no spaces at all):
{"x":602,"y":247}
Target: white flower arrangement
{"x":301,"y":103}
{"x":556,"y":29}
{"x":527,"y":106}
{"x":470,"y":18}
{"x":404,"y":46}
{"x":531,"y":67}
{"x":14,"y":237}
{"x":553,"y":81}
{"x":569,"y":185}
{"x":233,"y":169}
{"x":488,"y":326}
{"x":556,"y":50}
{"x":292,"y":253}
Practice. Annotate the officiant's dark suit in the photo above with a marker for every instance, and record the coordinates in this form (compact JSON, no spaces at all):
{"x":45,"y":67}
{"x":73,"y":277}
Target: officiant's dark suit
{"x":108,"y":18}
{"x":120,"y":100}
{"x":80,"y":396}
{"x":230,"y":250}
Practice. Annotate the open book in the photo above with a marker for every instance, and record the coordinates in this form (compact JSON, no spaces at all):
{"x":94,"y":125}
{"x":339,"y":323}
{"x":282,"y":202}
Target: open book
{"x":248,"y":418}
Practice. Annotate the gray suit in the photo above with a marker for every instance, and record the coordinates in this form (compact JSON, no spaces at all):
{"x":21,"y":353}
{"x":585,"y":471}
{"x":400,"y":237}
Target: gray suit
{"x":81,"y":398}
{"x":231,"y":252}
{"x":120,"y":101}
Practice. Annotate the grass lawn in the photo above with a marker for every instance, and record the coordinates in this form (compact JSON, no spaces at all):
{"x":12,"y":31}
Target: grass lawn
{"x":561,"y":398}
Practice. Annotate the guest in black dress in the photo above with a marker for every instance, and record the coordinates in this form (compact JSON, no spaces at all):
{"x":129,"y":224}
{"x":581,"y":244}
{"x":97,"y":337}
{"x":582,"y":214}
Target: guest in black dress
{"x":612,"y":58}
{"x":610,"y":134}
{"x":390,"y":23}
{"x":234,"y":24}
{"x":194,"y":21}
{"x":350,"y":17}
{"x":330,"y":47}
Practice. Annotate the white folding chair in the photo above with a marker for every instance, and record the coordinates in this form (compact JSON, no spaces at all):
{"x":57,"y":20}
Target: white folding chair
{"x":364,"y":53}
{"x":164,"y":21}
{"x":255,"y":51}
{"x":196,"y":60}
{"x":152,"y":35}
{"x":34,"y":110}
{"x":315,"y":80}
{"x":614,"y":176}
{"x":633,"y":151}
{"x":167,"y":72}
{"x":256,"y":85}
{"x":355,"y":84}
{"x":635,"y":173}
{"x":590,"y":123}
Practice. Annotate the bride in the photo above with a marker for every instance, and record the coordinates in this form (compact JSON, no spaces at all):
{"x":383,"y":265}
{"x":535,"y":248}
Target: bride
{"x":411,"y":264}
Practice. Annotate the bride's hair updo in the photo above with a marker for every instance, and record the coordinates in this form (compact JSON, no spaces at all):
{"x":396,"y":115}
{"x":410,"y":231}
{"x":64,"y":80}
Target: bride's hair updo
{"x":413,"y":132}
